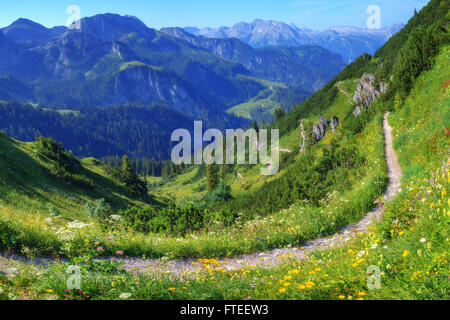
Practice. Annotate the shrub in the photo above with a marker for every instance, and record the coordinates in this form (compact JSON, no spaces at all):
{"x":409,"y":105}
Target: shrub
{"x":175,"y":219}
{"x":64,"y":164}
{"x":100,"y":209}
{"x":222,"y":193}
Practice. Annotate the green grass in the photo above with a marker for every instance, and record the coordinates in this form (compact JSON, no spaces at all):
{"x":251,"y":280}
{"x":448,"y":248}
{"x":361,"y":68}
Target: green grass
{"x":410,"y":245}
{"x":300,"y":223}
{"x":262,"y":105}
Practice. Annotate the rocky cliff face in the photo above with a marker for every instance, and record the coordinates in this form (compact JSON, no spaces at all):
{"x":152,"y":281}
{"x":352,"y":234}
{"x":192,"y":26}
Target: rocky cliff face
{"x":319,"y":129}
{"x":366,"y":93}
{"x":308,"y":67}
{"x":334,"y":122}
{"x":151,"y":84}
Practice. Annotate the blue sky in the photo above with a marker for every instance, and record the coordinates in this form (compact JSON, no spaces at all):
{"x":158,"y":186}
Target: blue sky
{"x":313,"y":14}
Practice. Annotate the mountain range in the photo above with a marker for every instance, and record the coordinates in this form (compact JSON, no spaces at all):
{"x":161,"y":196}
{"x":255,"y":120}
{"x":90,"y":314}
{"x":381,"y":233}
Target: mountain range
{"x":117,"y":59}
{"x":114,"y":66}
{"x":349,"y":42}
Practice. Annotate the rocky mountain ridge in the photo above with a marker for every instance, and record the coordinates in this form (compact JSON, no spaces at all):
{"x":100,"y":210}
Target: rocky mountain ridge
{"x":349,"y":42}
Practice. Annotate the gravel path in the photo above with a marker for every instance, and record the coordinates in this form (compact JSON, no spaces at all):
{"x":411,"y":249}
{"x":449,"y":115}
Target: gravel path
{"x":345,"y":93}
{"x":274,"y":257}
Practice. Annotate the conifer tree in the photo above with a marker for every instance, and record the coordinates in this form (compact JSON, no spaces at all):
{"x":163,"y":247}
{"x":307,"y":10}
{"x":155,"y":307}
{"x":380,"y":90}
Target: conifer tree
{"x":211,"y":177}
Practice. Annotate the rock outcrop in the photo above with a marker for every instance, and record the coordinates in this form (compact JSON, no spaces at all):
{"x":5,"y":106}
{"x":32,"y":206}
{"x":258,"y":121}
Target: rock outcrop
{"x":366,"y":93}
{"x":302,"y":132}
{"x":334,"y":122}
{"x":319,"y":129}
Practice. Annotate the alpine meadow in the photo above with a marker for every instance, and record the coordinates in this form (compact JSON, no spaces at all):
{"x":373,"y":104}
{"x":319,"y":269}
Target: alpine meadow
{"x":352,"y":124}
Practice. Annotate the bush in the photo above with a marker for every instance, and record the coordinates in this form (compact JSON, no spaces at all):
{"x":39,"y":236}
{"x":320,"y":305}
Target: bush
{"x":127,"y":175}
{"x":64,"y":165}
{"x":174,"y":219}
{"x":222,"y":193}
{"x":100,"y":209}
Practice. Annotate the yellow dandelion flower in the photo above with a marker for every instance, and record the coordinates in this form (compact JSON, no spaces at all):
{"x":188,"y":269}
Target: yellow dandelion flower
{"x":341,"y":297}
{"x":282,"y":290}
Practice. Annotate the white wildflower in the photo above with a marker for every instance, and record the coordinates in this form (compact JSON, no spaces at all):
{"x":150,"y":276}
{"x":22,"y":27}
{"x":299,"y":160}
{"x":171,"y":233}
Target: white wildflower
{"x":125,"y":295}
{"x":77,"y":225}
{"x":116,"y":217}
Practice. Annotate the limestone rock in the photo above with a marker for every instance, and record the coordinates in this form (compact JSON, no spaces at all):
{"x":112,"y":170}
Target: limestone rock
{"x":319,"y":129}
{"x":366,"y":93}
{"x":334,"y":123}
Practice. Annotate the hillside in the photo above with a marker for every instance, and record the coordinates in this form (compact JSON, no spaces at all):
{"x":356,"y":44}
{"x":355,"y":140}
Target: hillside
{"x":27,"y":183}
{"x":305,"y":233}
{"x":138,"y":131}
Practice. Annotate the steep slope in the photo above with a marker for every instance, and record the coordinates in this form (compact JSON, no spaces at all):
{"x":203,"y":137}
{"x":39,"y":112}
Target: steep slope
{"x":307,"y":67}
{"x":27,"y":184}
{"x":13,"y":90}
{"x":137,"y":131}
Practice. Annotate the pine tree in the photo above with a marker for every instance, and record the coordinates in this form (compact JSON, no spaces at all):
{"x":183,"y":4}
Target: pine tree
{"x":211,"y":177}
{"x":279,"y":113}
{"x":130,"y":178}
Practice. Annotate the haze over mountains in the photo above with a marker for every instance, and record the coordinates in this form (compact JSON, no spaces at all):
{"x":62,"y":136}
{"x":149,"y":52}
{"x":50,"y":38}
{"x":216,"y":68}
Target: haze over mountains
{"x":349,"y":42}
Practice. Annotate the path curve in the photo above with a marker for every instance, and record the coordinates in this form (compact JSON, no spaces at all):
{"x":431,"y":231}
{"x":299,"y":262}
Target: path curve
{"x":345,"y":93}
{"x":275,"y":257}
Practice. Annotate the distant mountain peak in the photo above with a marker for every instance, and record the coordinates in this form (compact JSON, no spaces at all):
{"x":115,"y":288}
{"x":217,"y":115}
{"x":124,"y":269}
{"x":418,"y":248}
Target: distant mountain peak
{"x":111,"y":27}
{"x":349,"y":42}
{"x":25,"y":30}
